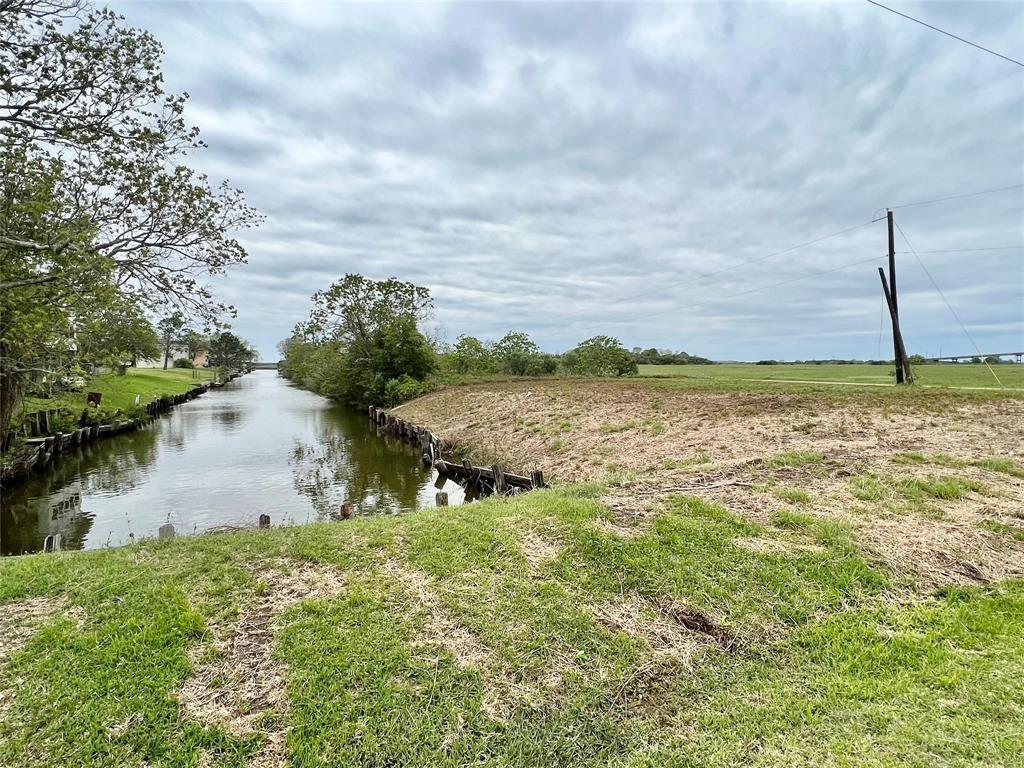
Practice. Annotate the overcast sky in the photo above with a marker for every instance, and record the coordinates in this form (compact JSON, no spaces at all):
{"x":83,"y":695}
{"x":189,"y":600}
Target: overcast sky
{"x":575,"y":169}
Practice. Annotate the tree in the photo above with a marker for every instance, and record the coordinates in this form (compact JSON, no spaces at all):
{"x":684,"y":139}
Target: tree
{"x":170,"y":329}
{"x":229,"y":351}
{"x":195,"y":344}
{"x":116,"y":335}
{"x":98,"y":202}
{"x":601,"y":356}
{"x":517,"y":354}
{"x":471,"y":356}
{"x":362,"y":342}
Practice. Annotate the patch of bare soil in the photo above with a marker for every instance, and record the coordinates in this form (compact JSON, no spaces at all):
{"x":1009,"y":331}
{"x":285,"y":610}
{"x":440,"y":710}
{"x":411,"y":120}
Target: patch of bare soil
{"x":237,"y":683}
{"x":640,"y":618}
{"x":441,"y":628}
{"x":718,"y":446}
{"x":539,"y":548}
{"x":20,"y":619}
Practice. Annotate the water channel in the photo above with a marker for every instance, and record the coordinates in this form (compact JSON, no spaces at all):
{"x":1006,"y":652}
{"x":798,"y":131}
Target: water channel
{"x":256,"y":446}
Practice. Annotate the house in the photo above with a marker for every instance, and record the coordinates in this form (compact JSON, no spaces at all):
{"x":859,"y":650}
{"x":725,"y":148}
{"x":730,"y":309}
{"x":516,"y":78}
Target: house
{"x":177,"y":352}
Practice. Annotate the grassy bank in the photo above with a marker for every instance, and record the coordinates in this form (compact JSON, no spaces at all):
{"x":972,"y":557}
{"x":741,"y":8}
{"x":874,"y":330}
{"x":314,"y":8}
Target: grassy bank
{"x":525,"y":632}
{"x":859,"y":376}
{"x":120,"y":392}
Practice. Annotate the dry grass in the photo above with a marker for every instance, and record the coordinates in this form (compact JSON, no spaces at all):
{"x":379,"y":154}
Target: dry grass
{"x":237,"y":684}
{"x":20,"y":619}
{"x":739,"y":449}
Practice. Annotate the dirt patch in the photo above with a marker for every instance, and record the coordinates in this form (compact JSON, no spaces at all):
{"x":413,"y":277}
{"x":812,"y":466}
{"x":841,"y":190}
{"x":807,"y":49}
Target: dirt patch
{"x":20,"y":619}
{"x":638,"y":618}
{"x":440,"y":628}
{"x":242,"y":688}
{"x":669,"y":627}
{"x":582,"y":430}
{"x":724,"y":447}
{"x":539,"y":549}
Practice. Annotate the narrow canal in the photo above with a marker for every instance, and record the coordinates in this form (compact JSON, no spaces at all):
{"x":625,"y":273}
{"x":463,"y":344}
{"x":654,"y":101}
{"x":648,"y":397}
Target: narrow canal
{"x":257,"y":446}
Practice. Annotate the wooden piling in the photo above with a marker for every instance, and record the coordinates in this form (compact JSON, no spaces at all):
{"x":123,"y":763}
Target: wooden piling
{"x":441,"y":499}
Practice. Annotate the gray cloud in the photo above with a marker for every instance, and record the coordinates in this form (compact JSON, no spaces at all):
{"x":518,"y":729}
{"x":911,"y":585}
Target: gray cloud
{"x":536,"y":163}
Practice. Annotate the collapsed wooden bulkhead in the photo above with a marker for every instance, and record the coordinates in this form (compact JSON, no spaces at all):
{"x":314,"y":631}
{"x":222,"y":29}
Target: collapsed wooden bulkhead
{"x":488,"y":480}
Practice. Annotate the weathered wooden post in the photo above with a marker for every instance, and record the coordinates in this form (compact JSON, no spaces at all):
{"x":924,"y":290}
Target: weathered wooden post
{"x":166,"y":532}
{"x":537,"y":478}
{"x":499,"y":479}
{"x":264,"y":521}
{"x":441,"y":499}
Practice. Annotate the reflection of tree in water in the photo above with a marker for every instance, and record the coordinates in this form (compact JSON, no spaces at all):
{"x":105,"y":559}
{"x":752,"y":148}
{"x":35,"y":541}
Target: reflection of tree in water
{"x":50,"y":501}
{"x":350,"y":462}
{"x":229,"y":418}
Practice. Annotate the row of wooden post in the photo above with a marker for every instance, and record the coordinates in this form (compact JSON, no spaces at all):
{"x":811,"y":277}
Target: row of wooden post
{"x":41,"y":450}
{"x":494,"y":479}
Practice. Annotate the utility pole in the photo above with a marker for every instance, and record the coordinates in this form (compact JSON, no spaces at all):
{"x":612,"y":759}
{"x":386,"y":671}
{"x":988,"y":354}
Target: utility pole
{"x":894,"y":309}
{"x":903,"y":373}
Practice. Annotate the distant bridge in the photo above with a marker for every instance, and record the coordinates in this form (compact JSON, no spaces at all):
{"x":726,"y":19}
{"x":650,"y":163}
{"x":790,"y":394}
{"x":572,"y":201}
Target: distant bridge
{"x":954,"y":358}
{"x":265,"y":367}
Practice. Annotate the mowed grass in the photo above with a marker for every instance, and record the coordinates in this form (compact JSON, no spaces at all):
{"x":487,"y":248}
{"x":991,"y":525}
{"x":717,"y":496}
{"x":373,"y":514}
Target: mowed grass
{"x":119,"y":392}
{"x":522,"y":632}
{"x":863,"y":375}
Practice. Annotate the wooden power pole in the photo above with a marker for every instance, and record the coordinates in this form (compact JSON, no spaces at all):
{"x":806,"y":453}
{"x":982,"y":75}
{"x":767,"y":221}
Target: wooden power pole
{"x":903,"y":372}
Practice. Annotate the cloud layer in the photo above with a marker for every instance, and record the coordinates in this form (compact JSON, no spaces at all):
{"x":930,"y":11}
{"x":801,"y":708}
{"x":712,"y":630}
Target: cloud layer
{"x":627,"y":169}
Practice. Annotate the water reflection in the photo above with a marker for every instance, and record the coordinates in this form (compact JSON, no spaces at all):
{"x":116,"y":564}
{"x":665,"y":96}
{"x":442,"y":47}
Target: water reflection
{"x":255,"y":447}
{"x":347,"y":461}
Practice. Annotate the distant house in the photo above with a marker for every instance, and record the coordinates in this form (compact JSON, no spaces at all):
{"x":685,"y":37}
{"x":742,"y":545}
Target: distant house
{"x":177,"y":352}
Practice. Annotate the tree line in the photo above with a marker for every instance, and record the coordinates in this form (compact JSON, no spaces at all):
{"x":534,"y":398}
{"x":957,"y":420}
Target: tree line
{"x":104,"y":227}
{"x":363,"y":344}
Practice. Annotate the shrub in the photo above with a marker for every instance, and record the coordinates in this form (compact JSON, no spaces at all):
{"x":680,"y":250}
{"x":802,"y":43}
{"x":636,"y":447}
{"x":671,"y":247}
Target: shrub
{"x":183,"y":362}
{"x":405,"y":388}
{"x":600,"y":356}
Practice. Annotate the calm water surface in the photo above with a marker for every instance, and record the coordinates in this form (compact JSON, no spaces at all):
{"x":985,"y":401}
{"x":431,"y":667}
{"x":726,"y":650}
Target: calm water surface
{"x":258,"y":445}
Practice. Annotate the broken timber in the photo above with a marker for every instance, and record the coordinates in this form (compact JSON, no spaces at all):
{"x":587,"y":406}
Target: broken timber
{"x":493,"y":479}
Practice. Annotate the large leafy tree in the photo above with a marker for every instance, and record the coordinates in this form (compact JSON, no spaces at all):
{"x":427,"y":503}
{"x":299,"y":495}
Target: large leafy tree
{"x":361,"y":335}
{"x":97,"y":194}
{"x":601,"y":356}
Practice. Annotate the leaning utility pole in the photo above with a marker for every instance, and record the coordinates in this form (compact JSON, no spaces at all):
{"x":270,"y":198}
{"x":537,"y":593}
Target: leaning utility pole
{"x":903,"y":372}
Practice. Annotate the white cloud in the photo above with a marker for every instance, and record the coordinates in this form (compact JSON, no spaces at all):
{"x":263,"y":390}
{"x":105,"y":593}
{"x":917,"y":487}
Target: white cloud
{"x":536,"y":163}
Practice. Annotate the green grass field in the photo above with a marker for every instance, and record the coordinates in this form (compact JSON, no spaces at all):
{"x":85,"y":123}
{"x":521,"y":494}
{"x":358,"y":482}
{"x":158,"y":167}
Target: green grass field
{"x":951,"y":376}
{"x":517,"y":632}
{"x":119,"y":392}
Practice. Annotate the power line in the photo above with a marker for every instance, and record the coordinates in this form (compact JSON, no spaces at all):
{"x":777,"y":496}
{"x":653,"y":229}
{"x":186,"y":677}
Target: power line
{"x":973,"y":250}
{"x":668,"y":286}
{"x":957,"y":197}
{"x":948,"y":34}
{"x":946,"y":302}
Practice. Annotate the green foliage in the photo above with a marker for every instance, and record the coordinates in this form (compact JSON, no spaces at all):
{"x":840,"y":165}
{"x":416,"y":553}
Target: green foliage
{"x":101,"y":219}
{"x":229,"y":351}
{"x":183,"y":362}
{"x":600,"y":356}
{"x":361,"y":343}
{"x":652,"y":356}
{"x":404,"y":388}
{"x":518,"y":355}
{"x":471,"y":356}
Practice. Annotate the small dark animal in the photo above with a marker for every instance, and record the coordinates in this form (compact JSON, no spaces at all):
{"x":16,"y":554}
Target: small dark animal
{"x":345,"y":512}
